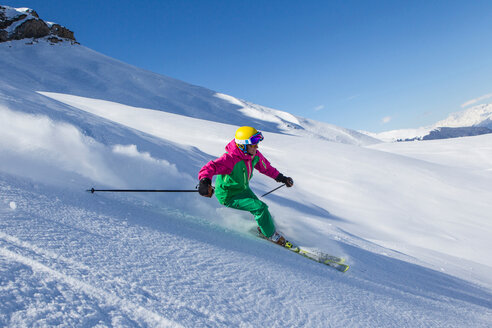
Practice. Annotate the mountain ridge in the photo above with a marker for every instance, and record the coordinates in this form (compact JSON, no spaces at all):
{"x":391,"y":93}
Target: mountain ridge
{"x":476,"y":120}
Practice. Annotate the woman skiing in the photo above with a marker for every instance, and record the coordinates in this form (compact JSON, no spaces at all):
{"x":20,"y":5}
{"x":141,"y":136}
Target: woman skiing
{"x":234,"y":169}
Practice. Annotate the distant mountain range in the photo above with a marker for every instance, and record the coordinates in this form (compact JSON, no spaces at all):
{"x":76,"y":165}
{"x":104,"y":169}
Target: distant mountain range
{"x":474,"y":121}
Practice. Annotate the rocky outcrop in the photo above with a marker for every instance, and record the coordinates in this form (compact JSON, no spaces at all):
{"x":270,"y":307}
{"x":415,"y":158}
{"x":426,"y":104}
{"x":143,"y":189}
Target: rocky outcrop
{"x":62,"y":32}
{"x":24,"y":23}
{"x":33,"y":28}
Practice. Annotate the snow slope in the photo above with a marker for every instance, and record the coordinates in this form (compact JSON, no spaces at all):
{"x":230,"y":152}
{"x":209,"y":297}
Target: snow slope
{"x":413,"y":224}
{"x":341,"y":195}
{"x":77,"y":70}
{"x":470,"y":153}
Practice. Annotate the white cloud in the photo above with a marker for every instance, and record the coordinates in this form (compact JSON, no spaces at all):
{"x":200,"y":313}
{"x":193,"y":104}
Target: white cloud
{"x":473,"y":101}
{"x":320,"y":107}
{"x":352,"y":97}
{"x":386,"y":119}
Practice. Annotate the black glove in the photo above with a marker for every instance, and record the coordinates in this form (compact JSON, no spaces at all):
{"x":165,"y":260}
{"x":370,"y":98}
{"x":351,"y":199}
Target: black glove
{"x":205,"y":187}
{"x":287,"y":180}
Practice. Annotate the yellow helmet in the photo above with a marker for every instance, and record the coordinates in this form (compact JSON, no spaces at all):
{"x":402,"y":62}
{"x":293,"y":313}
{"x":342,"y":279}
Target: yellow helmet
{"x":246,"y":135}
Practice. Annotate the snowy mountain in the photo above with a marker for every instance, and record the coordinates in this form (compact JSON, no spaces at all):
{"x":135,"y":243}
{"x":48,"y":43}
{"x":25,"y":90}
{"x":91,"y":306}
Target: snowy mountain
{"x":479,"y":115}
{"x":473,"y":121}
{"x":411,"y":219}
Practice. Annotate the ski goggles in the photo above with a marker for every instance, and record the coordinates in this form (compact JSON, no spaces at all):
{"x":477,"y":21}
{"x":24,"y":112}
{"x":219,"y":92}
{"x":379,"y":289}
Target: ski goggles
{"x":253,"y":140}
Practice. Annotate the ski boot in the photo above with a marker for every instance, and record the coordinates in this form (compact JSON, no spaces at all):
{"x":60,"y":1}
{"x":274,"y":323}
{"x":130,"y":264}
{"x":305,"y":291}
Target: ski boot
{"x":278,"y":239}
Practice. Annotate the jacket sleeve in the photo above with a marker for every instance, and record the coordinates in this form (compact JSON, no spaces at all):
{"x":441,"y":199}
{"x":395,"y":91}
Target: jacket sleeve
{"x":265,"y":167}
{"x":222,"y":165}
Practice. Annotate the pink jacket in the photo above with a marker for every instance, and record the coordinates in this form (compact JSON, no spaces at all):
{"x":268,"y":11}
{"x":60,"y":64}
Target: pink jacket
{"x":225,"y":163}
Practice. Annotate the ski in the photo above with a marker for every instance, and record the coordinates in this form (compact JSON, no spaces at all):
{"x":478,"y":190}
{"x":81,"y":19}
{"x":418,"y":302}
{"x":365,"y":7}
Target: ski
{"x":332,"y":261}
{"x":323,"y":256}
{"x":335,"y":262}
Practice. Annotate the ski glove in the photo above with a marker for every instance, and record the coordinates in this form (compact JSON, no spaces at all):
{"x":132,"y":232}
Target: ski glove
{"x":287,"y":180}
{"x":205,"y":188}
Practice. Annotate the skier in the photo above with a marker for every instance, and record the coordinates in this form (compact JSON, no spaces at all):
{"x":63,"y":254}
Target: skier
{"x":234,"y":169}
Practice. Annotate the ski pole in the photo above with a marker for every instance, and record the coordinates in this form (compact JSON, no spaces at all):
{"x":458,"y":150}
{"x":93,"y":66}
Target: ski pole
{"x":138,"y":190}
{"x":272,"y":190}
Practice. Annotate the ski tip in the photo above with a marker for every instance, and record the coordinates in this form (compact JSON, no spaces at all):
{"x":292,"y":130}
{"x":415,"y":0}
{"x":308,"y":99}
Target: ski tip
{"x":342,"y":268}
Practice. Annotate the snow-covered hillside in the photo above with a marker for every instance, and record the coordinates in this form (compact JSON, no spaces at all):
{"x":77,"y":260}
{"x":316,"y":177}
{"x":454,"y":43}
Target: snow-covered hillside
{"x":77,"y":70}
{"x":414,"y":224}
{"x":472,"y":121}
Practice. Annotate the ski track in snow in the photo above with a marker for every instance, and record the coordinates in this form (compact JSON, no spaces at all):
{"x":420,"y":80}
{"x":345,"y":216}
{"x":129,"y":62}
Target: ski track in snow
{"x":86,"y":266}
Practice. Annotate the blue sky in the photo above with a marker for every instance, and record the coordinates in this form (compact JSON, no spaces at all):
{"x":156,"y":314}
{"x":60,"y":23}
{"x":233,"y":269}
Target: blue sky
{"x":364,"y":65}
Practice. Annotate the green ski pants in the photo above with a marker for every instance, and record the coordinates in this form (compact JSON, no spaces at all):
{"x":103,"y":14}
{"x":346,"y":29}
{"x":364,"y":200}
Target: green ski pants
{"x":248,"y":201}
